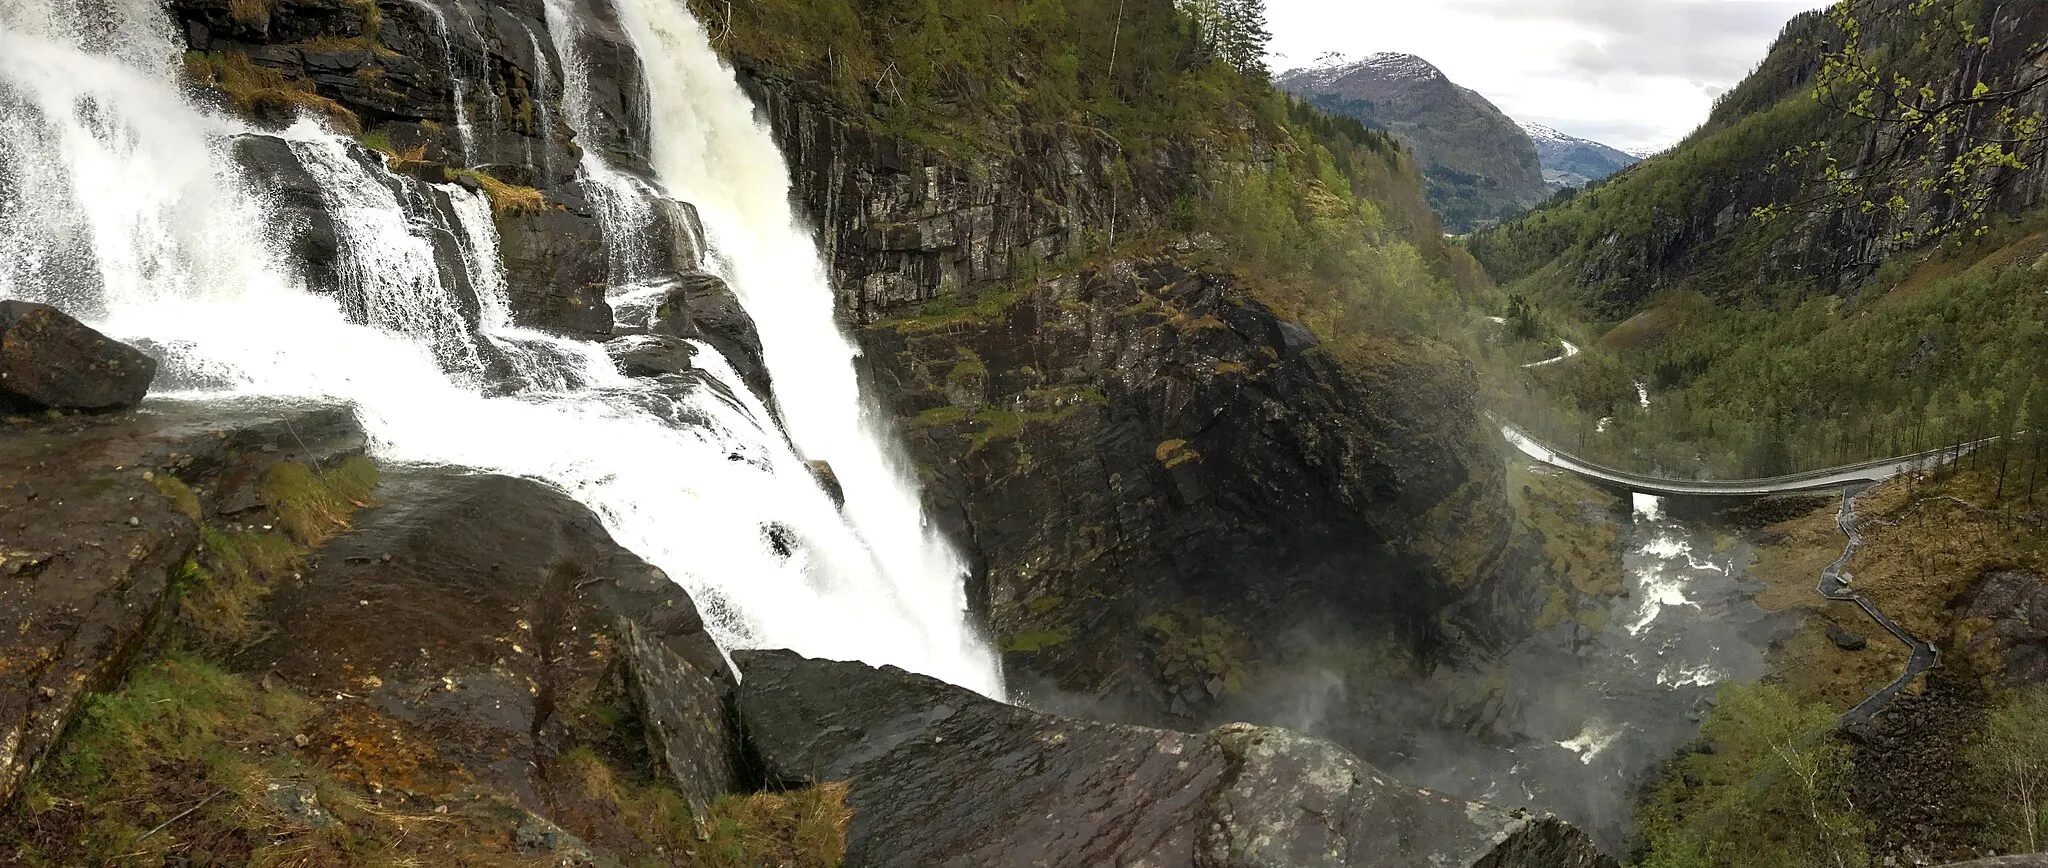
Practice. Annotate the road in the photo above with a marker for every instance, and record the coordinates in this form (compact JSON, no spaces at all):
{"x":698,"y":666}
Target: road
{"x":1570,"y":350}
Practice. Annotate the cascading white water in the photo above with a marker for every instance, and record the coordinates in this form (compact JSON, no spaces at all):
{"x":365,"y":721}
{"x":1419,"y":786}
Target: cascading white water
{"x":624,"y":204}
{"x":465,"y":131}
{"x":385,"y":263}
{"x":544,"y":98}
{"x":120,"y":203}
{"x":710,"y":150}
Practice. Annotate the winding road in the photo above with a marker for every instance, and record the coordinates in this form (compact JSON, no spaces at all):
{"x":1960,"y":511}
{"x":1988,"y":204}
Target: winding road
{"x":1570,"y":349}
{"x":1853,"y":479}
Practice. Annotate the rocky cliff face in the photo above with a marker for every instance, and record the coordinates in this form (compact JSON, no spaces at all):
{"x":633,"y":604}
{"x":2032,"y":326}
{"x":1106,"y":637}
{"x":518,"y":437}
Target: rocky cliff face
{"x":1481,"y":166}
{"x":903,"y":225}
{"x":1163,"y":486}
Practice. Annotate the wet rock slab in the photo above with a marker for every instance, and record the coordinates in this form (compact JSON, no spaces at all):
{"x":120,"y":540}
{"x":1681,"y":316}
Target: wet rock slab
{"x":941,"y":776}
{"x":89,"y":548}
{"x":498,"y":621}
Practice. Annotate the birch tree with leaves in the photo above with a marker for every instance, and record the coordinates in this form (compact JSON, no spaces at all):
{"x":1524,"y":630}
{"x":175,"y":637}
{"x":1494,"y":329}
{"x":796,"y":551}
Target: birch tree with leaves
{"x":1940,"y":112}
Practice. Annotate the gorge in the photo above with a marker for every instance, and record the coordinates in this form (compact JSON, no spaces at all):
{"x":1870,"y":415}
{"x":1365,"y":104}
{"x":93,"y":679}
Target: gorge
{"x":591,"y":432}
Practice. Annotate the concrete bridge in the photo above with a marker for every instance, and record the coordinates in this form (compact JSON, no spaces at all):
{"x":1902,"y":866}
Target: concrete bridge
{"x":1826,"y":479}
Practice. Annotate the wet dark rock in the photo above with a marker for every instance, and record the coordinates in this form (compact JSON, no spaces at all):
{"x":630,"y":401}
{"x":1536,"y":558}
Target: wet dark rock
{"x":510,"y":630}
{"x":1297,"y":339}
{"x":49,"y":360}
{"x":702,"y":306}
{"x":828,"y":479}
{"x":299,"y":215}
{"x":88,"y":547}
{"x":651,"y":355}
{"x":404,"y":87}
{"x":940,"y":775}
{"x":1846,"y":639}
{"x":618,"y":94}
{"x":2016,"y":604}
{"x":300,"y":804}
{"x":556,"y":272}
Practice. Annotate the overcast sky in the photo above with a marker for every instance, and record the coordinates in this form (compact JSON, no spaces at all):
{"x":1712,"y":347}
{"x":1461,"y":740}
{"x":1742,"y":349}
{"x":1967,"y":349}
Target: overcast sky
{"x":1635,"y":74}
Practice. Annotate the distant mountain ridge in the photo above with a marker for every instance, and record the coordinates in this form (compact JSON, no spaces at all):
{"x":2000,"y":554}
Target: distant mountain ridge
{"x":1570,"y":161}
{"x":1479,"y":164}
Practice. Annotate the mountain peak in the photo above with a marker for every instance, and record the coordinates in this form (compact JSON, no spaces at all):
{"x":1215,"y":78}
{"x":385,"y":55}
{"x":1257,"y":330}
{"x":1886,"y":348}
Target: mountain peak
{"x":1542,"y":134}
{"x":1333,"y":66}
{"x":1570,"y":161}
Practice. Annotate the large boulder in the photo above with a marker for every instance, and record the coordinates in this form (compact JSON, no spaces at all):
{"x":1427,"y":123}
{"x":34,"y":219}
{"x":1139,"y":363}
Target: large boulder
{"x":2014,"y":607}
{"x":49,"y":360}
{"x":89,"y":545}
{"x":941,"y":776}
{"x":510,"y":630}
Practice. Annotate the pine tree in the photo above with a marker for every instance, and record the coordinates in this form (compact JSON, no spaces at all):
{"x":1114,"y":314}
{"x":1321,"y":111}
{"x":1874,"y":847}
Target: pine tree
{"x":1233,"y":31}
{"x":1243,"y":36}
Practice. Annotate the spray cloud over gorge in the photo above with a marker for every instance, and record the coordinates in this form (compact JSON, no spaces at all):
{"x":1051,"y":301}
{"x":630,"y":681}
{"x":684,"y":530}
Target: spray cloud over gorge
{"x":125,"y":204}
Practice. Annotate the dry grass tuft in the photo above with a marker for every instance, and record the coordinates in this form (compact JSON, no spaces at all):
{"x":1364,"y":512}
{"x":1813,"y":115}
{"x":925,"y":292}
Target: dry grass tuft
{"x":261,"y":92}
{"x":252,"y":13}
{"x":507,"y":199}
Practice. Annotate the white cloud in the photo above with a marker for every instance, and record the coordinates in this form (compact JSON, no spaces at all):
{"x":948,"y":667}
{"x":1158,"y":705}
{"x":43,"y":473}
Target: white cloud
{"x":1631,"y":73}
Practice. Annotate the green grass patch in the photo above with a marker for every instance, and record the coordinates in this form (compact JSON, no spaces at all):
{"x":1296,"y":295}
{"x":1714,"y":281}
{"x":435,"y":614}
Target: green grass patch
{"x":314,"y":505}
{"x":1774,"y":791}
{"x":174,"y":763}
{"x":191,"y":759}
{"x":183,"y":500}
{"x":949,"y":311}
{"x":220,"y":595}
{"x":1191,"y":648}
{"x":252,"y":13}
{"x":1174,"y":453}
{"x":937,"y":416}
{"x":803,"y":828}
{"x":969,"y":368}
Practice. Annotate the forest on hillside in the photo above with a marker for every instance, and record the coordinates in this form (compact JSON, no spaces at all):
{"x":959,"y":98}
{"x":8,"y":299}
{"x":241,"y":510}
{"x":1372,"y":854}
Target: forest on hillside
{"x":1842,"y":264}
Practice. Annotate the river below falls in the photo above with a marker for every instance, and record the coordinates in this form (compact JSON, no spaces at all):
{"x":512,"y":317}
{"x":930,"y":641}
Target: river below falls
{"x":1575,"y":722}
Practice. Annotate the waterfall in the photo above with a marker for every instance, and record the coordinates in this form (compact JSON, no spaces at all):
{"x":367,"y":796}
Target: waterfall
{"x":465,"y":132}
{"x":624,"y":204}
{"x":120,"y":202}
{"x":544,"y":97}
{"x":709,"y":149}
{"x":388,"y":265}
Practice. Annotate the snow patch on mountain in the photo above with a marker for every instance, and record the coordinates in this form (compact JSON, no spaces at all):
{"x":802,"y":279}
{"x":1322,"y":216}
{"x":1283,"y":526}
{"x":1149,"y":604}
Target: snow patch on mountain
{"x":1543,"y":134}
{"x":1332,"y":67}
